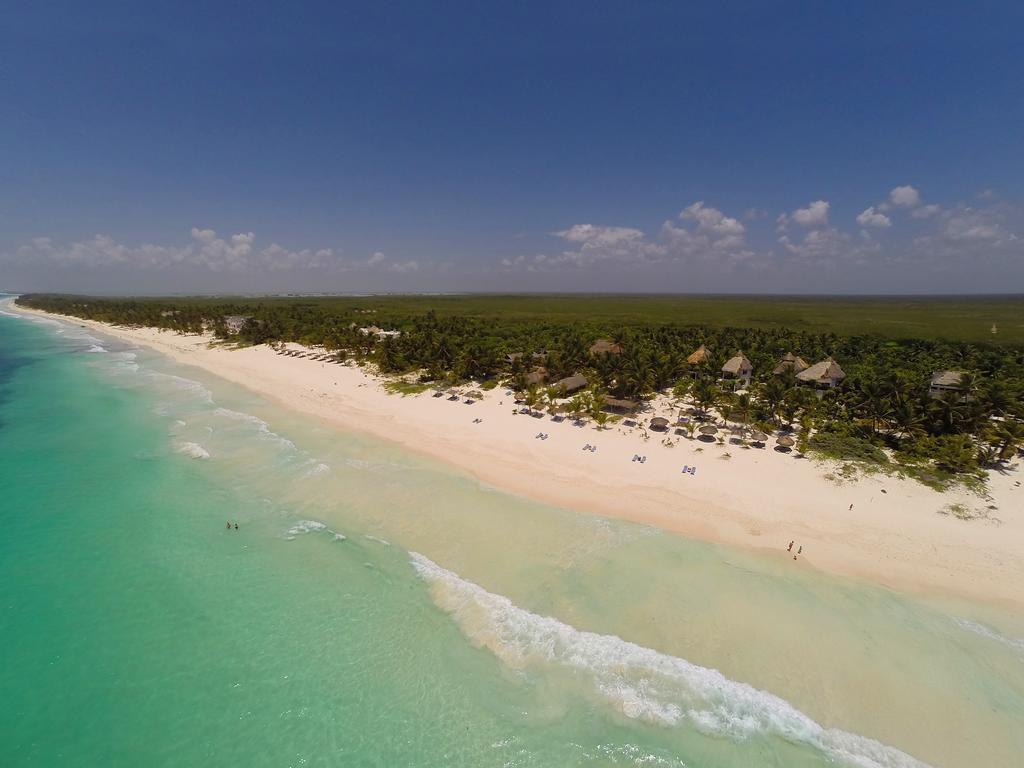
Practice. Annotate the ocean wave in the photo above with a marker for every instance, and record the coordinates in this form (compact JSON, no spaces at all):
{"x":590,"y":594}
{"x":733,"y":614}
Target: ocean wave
{"x":312,"y":526}
{"x":195,"y":450}
{"x":181,"y":383}
{"x":261,"y":426}
{"x":96,"y":348}
{"x":317,"y":468}
{"x":641,"y":683}
{"x":378,"y":539}
{"x":989,"y":634}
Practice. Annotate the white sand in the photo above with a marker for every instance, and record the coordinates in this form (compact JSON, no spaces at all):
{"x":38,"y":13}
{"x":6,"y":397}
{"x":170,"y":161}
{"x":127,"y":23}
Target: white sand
{"x":758,"y":498}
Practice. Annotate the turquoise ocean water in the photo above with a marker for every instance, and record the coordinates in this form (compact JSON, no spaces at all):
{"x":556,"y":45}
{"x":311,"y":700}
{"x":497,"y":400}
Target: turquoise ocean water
{"x":376,"y":608}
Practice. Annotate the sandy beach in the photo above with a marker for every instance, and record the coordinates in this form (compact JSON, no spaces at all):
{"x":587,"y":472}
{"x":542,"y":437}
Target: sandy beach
{"x":895,"y":533}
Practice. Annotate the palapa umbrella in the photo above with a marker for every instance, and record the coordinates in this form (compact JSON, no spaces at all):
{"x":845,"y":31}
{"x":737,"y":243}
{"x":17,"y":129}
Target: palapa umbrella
{"x":786,"y":442}
{"x":758,"y":437}
{"x":476,"y":394}
{"x":659,"y":423}
{"x":708,"y":429}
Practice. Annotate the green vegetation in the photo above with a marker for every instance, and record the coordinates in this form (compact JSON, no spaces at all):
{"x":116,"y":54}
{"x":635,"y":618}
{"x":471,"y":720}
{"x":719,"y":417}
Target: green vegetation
{"x":882,"y":415}
{"x":403,"y":387}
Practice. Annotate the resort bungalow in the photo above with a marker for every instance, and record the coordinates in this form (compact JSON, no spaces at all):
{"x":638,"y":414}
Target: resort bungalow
{"x":514,"y":357}
{"x":570,"y":384}
{"x":944,"y":382}
{"x":790,"y":362}
{"x":698,"y":356}
{"x":536,"y":377}
{"x":739,"y":370}
{"x":605,"y":347}
{"x":235,"y":323}
{"x":380,"y":333}
{"x":618,"y":405}
{"x":824,"y":375}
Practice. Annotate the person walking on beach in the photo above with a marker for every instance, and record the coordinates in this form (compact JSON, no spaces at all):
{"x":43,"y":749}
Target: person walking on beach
{"x":790,"y":547}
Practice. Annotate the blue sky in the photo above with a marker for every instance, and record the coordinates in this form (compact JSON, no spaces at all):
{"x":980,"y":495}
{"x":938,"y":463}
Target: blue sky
{"x":805,"y":147}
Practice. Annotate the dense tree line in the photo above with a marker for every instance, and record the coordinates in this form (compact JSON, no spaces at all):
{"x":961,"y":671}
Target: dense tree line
{"x":883,"y":402}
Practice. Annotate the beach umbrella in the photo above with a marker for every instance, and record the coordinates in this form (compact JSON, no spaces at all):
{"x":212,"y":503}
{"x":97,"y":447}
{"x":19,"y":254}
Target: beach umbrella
{"x":708,"y":429}
{"x":786,"y":442}
{"x":758,"y":437}
{"x":659,"y":423}
{"x":476,"y":394}
{"x":738,"y":431}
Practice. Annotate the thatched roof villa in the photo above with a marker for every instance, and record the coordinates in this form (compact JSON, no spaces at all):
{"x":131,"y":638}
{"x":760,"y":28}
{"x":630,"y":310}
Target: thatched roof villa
{"x":738,"y":369}
{"x":944,"y":382}
{"x":605,"y":347}
{"x":571,"y":384}
{"x":698,"y":356}
{"x":825,"y":375}
{"x":790,"y":362}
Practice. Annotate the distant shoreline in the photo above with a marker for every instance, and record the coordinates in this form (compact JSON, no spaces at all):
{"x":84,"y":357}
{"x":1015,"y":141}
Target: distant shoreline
{"x":755,"y":499}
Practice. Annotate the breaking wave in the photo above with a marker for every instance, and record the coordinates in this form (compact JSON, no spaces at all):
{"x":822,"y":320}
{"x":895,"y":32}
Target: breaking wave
{"x":195,"y":450}
{"x":641,"y":683}
{"x":311,"y":526}
{"x":261,"y":426}
{"x":989,"y":634}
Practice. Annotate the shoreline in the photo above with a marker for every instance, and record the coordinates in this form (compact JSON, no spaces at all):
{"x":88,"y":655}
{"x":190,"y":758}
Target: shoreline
{"x":757,"y":499}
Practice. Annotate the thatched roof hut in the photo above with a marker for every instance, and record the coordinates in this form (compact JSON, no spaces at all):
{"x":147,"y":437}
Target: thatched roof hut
{"x":738,"y":366}
{"x":620,"y":405}
{"x":790,"y":362}
{"x":605,"y":347}
{"x":827,"y":374}
{"x":536,"y":377}
{"x":571,"y":384}
{"x":698,"y":356}
{"x":786,"y":442}
{"x":708,"y":429}
{"x":659,"y":424}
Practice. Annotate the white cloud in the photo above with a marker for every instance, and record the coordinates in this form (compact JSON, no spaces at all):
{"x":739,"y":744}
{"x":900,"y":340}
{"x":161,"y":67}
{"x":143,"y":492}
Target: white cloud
{"x":869,"y":217}
{"x":706,"y":235}
{"x":814,"y":215}
{"x":905,"y":197}
{"x":404,"y":266}
{"x":597,"y":244}
{"x":207,"y":251}
{"x":925,"y":211}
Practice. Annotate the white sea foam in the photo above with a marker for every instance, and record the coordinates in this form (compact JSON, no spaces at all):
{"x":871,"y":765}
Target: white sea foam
{"x":179,"y":382}
{"x":195,"y":450}
{"x":96,"y":348}
{"x":639,"y":682}
{"x":988,"y":633}
{"x":316,"y":468}
{"x":378,"y":539}
{"x":262,"y":427}
{"x":305,"y":526}
{"x":312,"y":526}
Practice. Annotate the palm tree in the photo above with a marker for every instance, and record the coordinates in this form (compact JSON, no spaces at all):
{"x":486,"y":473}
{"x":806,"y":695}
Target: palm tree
{"x":906,"y":419}
{"x":874,"y":404}
{"x":1010,"y":435}
{"x":705,"y":394}
{"x":772,"y":394}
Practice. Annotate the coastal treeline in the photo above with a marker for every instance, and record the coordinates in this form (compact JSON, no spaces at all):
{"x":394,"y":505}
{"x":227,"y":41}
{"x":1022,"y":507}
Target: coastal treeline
{"x":885,"y":408}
